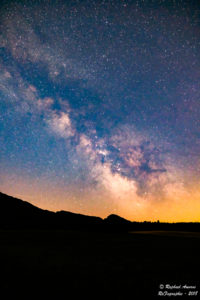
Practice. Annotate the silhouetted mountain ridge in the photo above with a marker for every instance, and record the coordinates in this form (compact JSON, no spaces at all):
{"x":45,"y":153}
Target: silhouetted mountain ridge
{"x":16,"y":213}
{"x":115,"y":219}
{"x":19,"y":213}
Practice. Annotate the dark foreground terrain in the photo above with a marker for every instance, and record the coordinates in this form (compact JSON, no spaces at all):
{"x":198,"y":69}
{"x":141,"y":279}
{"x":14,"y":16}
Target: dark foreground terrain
{"x":87,"y":265}
{"x":64,"y":255}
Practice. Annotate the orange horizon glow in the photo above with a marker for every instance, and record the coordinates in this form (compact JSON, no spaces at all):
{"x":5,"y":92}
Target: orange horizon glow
{"x":115,"y":195}
{"x":169,"y":211}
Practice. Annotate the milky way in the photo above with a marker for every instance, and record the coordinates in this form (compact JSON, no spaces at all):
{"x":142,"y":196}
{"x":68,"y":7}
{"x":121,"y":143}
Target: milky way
{"x":100,"y":106}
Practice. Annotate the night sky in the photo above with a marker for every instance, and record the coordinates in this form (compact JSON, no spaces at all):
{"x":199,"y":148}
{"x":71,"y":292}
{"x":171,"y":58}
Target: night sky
{"x":100,"y":106}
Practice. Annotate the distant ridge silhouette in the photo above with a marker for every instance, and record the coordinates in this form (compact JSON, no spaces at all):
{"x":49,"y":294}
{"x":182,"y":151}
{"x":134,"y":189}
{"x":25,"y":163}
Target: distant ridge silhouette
{"x":16,"y":213}
{"x":115,"y":219}
{"x":21,"y":214}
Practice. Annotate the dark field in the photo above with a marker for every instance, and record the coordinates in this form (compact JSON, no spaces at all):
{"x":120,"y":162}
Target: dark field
{"x":88,"y":265}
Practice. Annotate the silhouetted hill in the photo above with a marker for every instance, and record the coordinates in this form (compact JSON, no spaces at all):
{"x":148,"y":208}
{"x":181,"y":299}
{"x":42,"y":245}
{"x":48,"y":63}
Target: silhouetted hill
{"x":115,"y":219}
{"x":21,"y":214}
{"x":76,"y":220}
{"x":115,"y":222}
{"x":16,"y":213}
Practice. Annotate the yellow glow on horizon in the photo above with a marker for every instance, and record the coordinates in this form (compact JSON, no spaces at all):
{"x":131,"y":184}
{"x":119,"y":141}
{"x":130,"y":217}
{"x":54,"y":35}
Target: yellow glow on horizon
{"x":116,"y":195}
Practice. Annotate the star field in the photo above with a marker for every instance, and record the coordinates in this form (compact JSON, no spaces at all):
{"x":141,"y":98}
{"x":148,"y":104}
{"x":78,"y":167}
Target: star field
{"x":99,"y":106}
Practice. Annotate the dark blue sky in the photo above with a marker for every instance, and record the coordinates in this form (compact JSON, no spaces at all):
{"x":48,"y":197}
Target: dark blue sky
{"x":100,"y":105}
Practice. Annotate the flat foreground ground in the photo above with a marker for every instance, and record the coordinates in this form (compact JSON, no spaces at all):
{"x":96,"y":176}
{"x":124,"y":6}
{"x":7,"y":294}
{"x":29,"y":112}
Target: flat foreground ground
{"x":88,"y":265}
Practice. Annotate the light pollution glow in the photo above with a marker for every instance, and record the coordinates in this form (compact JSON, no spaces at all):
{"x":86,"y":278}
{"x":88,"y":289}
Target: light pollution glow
{"x":119,"y":197}
{"x":99,"y":107}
